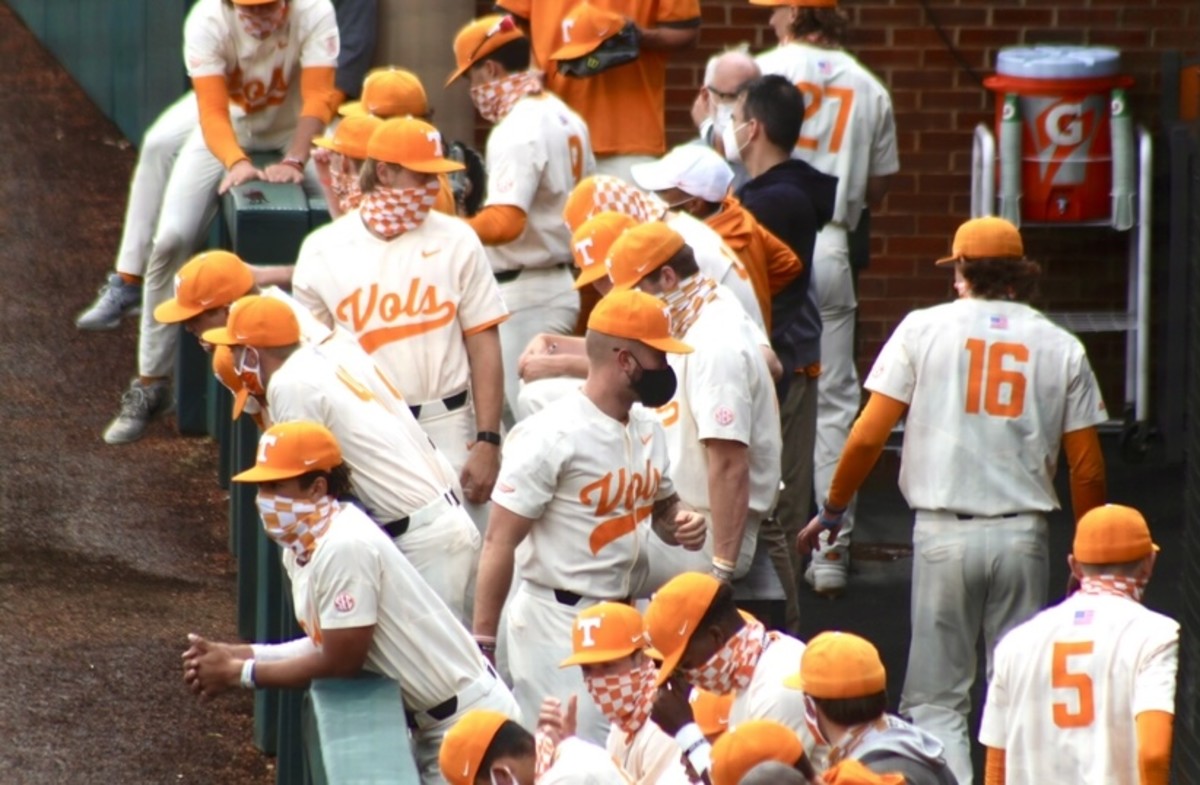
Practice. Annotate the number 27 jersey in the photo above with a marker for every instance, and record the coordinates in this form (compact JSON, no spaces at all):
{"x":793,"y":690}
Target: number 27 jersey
{"x":991,"y":386}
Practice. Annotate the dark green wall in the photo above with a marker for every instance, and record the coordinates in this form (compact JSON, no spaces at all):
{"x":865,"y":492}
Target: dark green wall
{"x":127,"y":54}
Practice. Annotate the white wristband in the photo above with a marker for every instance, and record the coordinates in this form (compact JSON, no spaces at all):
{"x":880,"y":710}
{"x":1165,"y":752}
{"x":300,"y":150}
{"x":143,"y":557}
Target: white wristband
{"x":248,"y":674}
{"x":695,"y":747}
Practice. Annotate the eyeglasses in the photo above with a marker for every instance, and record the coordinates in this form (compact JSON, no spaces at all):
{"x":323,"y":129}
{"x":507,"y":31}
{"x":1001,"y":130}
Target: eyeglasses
{"x":715,"y":93}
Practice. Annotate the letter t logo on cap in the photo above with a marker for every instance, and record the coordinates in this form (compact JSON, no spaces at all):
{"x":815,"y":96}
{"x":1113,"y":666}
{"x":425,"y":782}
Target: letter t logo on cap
{"x":587,"y":626}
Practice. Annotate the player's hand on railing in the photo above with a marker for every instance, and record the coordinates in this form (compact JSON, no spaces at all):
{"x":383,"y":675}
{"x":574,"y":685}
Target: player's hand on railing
{"x":241,"y":172}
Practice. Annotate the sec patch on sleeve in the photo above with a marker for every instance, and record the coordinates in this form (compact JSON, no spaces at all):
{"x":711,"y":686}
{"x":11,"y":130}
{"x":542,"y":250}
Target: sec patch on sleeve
{"x":344,"y":602}
{"x":724,"y":416}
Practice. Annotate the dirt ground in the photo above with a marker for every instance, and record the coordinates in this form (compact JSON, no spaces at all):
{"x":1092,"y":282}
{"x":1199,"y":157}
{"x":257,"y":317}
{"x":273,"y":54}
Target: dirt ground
{"x":109,"y":556}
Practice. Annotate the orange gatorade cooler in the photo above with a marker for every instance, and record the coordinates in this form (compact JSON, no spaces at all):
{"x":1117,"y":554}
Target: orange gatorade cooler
{"x":1053,"y":123}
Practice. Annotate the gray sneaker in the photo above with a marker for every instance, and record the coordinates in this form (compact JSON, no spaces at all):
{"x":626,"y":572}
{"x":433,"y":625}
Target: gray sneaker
{"x":116,"y":299}
{"x":139,"y":405}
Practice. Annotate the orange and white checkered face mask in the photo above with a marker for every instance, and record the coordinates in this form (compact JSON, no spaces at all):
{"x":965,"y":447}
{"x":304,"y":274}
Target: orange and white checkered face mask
{"x":345,"y":187}
{"x":732,"y":667}
{"x":294,"y":523}
{"x":613,"y":193}
{"x":495,"y":99}
{"x":686,"y":301}
{"x":1117,"y":586}
{"x":390,"y":212}
{"x":260,"y":25}
{"x":626,"y":698}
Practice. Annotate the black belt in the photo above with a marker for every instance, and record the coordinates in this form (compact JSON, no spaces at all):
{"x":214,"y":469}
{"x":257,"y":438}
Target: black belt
{"x":456,"y":401}
{"x":964,"y":517}
{"x":572,"y":599}
{"x":399,"y":526}
{"x":511,"y":275}
{"x":443,"y":711}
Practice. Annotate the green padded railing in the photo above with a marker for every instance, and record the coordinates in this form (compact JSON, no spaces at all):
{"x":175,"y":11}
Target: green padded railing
{"x":354,"y":731}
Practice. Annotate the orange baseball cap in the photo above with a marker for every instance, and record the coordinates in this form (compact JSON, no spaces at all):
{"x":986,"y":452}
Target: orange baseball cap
{"x":209,"y":280}
{"x":464,"y":745}
{"x":292,"y":449}
{"x":838,"y":665}
{"x":351,"y":136}
{"x":389,"y":92}
{"x":257,"y":321}
{"x":252,"y":2}
{"x":711,"y":711}
{"x":675,"y":611}
{"x":797,"y":3}
{"x":591,"y":242}
{"x":605,"y":632}
{"x":480,"y":38}
{"x":640,"y":251}
{"x":749,"y":744}
{"x":851,"y":772}
{"x":584,"y":29}
{"x":1112,"y":534}
{"x":639,"y":317}
{"x":985,"y":238}
{"x":411,"y":143}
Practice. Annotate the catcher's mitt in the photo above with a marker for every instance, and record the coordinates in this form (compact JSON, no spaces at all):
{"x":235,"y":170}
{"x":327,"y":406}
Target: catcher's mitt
{"x":469,"y":185}
{"x":622,"y":48}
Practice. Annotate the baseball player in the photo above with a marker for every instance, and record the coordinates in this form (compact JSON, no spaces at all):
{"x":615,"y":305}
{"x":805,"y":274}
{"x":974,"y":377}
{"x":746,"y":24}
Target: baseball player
{"x":609,"y":647}
{"x":420,"y":298}
{"x":991,"y":389}
{"x":708,"y":643}
{"x":1085,"y":690}
{"x":584,"y":484}
{"x":487,"y":747}
{"x":346,"y":150}
{"x":624,"y":107}
{"x":401,"y":479}
{"x":754,"y":742}
{"x":602,"y":193}
{"x":537,"y":151}
{"x":360,"y":603}
{"x":848,"y":132}
{"x":722,"y":420}
{"x":845,"y":694}
{"x":263,"y":74}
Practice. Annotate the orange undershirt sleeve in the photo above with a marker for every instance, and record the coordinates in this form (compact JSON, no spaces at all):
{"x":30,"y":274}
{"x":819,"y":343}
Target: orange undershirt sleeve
{"x":212,"y":94}
{"x":319,"y":98}
{"x":867,"y":439}
{"x":1086,"y":462}
{"x":1154,"y":731}
{"x":994,"y":770}
{"x":498,"y":224}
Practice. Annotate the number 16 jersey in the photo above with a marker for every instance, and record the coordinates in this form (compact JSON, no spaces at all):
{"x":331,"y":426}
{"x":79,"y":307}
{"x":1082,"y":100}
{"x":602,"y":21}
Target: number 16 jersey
{"x":991,"y":387}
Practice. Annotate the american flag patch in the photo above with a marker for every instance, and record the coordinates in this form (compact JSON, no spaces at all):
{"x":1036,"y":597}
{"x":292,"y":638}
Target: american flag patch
{"x":998,"y":322}
{"x":1083,"y":617}
{"x":825,"y":67}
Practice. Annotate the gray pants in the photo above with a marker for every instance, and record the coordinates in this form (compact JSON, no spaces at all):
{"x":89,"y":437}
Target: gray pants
{"x":798,"y":413}
{"x":980,"y":574}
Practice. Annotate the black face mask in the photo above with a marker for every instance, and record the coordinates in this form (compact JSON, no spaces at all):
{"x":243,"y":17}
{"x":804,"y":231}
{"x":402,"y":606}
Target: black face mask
{"x":655,"y":387}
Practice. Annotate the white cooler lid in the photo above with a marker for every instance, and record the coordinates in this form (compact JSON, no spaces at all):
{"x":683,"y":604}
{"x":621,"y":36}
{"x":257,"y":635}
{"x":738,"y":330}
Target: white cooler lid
{"x":1058,"y":62}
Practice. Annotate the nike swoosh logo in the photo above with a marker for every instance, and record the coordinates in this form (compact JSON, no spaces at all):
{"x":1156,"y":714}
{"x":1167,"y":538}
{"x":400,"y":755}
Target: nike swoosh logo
{"x":427,"y":254}
{"x":310,"y":462}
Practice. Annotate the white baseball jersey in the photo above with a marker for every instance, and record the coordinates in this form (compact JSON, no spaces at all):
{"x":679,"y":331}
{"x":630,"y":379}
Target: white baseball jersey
{"x":535,"y":156}
{"x":409,"y":301}
{"x":766,"y":698}
{"x":991,"y":386}
{"x":1068,"y":685}
{"x":716,"y":260}
{"x":357,"y":578}
{"x":576,"y":762}
{"x":649,"y":757}
{"x":395,"y":469}
{"x":590,"y":484}
{"x":263,"y":76}
{"x":848,"y":130}
{"x":725,"y":392}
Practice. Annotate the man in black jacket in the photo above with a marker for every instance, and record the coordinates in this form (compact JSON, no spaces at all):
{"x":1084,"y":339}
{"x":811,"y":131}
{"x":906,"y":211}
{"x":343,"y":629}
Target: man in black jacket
{"x":793,"y":200}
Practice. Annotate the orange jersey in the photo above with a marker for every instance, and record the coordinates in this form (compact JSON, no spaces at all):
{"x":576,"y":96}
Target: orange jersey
{"x":624,"y":107}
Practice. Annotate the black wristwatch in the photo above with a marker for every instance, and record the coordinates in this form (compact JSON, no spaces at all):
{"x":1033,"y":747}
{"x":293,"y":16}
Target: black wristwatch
{"x":491,"y":437}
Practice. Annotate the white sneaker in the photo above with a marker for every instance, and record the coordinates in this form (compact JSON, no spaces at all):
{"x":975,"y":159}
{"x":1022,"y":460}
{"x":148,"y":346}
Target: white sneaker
{"x":139,"y":405}
{"x":826,"y":571}
{"x":116,"y":300}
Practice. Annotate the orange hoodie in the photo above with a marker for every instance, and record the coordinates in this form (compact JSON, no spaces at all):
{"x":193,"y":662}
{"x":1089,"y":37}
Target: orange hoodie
{"x":770,"y":264}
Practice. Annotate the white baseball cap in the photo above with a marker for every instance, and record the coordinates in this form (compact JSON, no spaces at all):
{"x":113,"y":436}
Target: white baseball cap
{"x":695,"y":169}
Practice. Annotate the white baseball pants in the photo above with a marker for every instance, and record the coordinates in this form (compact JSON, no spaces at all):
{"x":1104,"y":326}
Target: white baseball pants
{"x":488,"y":692}
{"x":452,"y":432}
{"x":969,"y":576}
{"x":539,"y":300}
{"x":443,"y":545}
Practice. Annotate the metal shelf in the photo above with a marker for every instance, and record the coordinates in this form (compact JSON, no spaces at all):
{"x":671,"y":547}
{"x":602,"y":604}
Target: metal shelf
{"x":1094,"y":321}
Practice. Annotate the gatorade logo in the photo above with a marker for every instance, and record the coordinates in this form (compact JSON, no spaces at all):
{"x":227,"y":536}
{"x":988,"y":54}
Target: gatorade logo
{"x":1064,"y":124}
{"x":1065,"y":132}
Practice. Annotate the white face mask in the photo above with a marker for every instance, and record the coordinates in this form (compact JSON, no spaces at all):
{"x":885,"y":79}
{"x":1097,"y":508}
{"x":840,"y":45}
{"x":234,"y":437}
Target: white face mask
{"x":722,"y":117}
{"x":733,"y":151}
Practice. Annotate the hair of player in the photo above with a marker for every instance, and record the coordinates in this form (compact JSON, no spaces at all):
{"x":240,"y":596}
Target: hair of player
{"x":683,"y":263}
{"x":1120,"y":570}
{"x":512,"y":57}
{"x":1002,"y":279}
{"x":722,"y":611}
{"x":830,"y":24}
{"x":774,"y":773}
{"x":848,"y":712}
{"x":775,"y":103}
{"x":510,"y":741}
{"x":337,"y":480}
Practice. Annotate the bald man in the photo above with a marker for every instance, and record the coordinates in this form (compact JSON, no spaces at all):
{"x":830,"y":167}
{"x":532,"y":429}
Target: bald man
{"x":713,"y":108}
